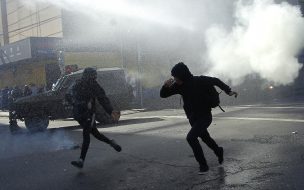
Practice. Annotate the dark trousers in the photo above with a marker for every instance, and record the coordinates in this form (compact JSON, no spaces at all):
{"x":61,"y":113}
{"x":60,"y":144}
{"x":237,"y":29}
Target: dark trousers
{"x":199,"y":127}
{"x":87,"y":130}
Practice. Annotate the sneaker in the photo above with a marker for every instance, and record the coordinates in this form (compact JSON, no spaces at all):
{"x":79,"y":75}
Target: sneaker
{"x":220,"y":155}
{"x":77,"y":164}
{"x":115,"y":145}
{"x":203,"y":169}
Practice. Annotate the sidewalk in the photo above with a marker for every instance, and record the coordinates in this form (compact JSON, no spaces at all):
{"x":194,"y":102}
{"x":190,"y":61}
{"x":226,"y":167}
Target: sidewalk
{"x":3,"y":114}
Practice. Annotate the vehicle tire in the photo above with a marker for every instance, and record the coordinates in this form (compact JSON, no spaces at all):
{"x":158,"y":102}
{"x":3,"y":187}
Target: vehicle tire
{"x":36,"y":124}
{"x":14,"y":128}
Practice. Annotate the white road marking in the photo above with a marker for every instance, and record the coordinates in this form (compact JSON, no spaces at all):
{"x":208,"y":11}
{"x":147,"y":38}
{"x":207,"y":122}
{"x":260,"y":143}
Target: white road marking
{"x":155,"y":117}
{"x":265,"y":107}
{"x":227,"y":118}
{"x":262,"y":119}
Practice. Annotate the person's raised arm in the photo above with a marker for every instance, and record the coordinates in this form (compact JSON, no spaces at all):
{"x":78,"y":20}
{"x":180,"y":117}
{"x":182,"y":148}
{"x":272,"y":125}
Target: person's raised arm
{"x":168,"y":89}
{"x":217,"y":82}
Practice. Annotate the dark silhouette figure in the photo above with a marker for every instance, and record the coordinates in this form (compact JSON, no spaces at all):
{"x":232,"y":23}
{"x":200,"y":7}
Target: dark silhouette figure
{"x":14,"y":95}
{"x":195,"y":91}
{"x":27,"y":91}
{"x":84,"y":93}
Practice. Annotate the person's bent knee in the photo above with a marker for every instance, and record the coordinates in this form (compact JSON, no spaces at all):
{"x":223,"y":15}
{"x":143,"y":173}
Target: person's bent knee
{"x":190,"y":138}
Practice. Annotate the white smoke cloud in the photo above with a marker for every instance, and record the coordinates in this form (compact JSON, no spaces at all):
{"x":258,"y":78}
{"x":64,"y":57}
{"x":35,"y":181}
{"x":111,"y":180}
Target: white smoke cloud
{"x":99,"y":9}
{"x":265,"y":39}
{"x":25,"y":143}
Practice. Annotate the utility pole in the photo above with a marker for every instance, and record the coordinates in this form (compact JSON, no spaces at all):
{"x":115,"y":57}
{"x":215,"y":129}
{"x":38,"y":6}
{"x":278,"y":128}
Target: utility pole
{"x":4,"y":22}
{"x":139,"y":74}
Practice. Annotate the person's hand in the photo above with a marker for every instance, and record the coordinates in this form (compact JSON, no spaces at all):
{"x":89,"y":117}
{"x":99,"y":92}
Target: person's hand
{"x":232,"y":93}
{"x":168,"y":83}
{"x":115,"y":115}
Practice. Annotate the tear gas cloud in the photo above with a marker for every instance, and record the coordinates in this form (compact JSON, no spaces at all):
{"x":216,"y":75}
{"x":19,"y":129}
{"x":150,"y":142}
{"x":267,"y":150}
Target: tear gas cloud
{"x":230,"y":39}
{"x":24,"y":143}
{"x":169,"y":25}
{"x":265,"y":39}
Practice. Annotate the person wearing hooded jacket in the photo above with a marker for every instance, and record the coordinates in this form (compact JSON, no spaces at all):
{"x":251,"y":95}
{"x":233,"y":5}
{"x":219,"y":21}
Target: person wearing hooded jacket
{"x":194,"y":92}
{"x":84,"y":93}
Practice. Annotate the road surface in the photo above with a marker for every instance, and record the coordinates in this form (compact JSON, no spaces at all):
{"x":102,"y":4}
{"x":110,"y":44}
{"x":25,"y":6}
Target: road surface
{"x":264,"y":149}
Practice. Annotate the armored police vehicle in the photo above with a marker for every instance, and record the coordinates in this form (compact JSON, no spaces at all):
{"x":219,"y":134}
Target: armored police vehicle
{"x":36,"y":111}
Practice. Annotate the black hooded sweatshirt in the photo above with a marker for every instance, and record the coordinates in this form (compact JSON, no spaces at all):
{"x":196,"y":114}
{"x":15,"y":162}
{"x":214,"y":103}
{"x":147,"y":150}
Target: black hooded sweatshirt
{"x":194,"y":91}
{"x":86,"y":91}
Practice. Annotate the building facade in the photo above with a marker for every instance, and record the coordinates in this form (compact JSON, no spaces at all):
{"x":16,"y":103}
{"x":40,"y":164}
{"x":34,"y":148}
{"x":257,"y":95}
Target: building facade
{"x":23,"y":20}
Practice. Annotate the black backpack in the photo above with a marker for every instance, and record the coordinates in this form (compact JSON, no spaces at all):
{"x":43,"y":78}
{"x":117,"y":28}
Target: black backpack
{"x":212,"y":97}
{"x":215,"y":98}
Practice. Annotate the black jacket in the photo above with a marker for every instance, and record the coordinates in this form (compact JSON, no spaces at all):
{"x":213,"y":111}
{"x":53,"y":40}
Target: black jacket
{"x":84,"y":92}
{"x":193,"y":92}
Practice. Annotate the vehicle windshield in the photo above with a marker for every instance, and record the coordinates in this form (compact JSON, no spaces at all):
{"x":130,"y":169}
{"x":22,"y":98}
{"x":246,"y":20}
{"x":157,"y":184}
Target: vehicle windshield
{"x":59,"y":82}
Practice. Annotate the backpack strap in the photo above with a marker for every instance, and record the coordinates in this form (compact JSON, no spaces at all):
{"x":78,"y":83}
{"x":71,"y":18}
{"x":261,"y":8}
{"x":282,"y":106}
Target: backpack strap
{"x":180,"y":101}
{"x":220,"y":105}
{"x":221,"y":108}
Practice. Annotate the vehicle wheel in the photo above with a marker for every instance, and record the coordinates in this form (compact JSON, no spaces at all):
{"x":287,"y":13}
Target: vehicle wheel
{"x":13,"y":124}
{"x":14,"y":128}
{"x":35,"y":124}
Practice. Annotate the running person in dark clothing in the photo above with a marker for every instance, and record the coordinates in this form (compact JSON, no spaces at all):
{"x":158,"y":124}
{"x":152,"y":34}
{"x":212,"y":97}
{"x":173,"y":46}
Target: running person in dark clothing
{"x":84,"y":93}
{"x":193,"y":90}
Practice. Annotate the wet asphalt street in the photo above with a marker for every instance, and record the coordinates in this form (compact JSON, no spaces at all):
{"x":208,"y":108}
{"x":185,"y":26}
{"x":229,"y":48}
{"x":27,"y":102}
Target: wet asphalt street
{"x":264,"y":149}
